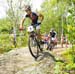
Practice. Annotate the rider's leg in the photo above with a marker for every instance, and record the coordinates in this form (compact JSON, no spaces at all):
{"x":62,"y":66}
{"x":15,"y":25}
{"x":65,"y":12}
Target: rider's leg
{"x":41,"y":37}
{"x":38,"y":34}
{"x":38,"y":31}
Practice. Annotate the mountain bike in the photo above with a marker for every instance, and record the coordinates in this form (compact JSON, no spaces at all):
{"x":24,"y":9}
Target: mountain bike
{"x":52,"y":43}
{"x":33,"y":43}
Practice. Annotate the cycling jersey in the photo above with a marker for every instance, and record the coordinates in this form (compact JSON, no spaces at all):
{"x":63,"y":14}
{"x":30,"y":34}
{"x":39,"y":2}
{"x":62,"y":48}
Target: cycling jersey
{"x":34,"y":17}
{"x":53,"y":34}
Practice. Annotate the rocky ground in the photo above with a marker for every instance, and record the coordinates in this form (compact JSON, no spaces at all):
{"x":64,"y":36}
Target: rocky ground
{"x":19,"y":61}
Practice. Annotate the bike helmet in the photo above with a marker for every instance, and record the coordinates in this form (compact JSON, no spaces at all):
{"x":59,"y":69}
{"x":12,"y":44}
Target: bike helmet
{"x":27,"y":7}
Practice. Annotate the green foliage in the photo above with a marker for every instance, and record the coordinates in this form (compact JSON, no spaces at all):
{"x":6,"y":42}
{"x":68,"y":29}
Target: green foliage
{"x":58,"y":69}
{"x":22,"y":41}
{"x":69,"y":56}
{"x":5,"y":26}
{"x":7,"y":38}
{"x":68,"y":65}
{"x":59,"y":14}
{"x":7,"y":42}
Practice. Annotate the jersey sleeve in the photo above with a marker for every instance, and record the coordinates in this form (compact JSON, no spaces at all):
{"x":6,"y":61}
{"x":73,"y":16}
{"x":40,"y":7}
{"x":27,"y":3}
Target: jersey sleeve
{"x":55,"y":33}
{"x":25,"y":16}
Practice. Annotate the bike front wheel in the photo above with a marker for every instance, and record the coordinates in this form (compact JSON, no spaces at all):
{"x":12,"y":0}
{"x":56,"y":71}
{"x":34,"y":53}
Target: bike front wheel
{"x":33,"y":47}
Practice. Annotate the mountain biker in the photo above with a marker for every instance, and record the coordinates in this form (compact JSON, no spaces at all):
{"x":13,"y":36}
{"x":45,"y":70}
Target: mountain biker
{"x":53,"y":35}
{"x":34,"y":18}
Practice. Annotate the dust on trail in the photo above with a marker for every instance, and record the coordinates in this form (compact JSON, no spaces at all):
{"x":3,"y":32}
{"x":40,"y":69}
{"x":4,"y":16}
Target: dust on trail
{"x":19,"y":61}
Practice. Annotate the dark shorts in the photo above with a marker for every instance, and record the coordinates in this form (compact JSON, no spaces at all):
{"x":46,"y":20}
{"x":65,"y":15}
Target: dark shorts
{"x":36,"y":26}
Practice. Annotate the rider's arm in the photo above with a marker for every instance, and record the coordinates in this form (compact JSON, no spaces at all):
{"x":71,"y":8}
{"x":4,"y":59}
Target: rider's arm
{"x":21,"y":23}
{"x":41,"y":17}
{"x":55,"y":34}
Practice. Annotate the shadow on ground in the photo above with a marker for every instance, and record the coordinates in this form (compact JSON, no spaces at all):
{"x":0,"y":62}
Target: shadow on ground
{"x":48,"y":55}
